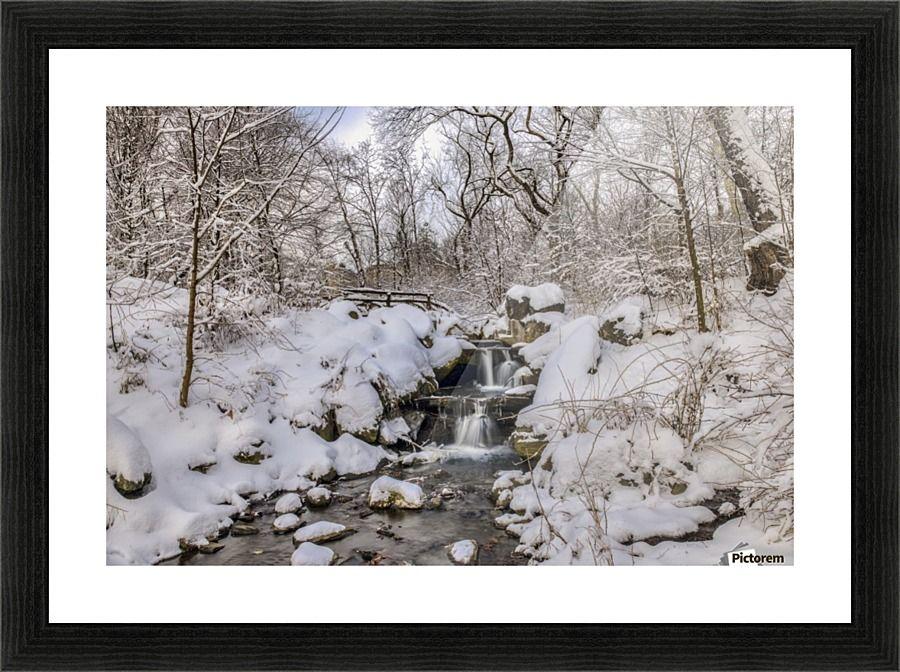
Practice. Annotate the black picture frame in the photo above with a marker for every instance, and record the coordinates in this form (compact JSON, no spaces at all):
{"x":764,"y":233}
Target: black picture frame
{"x":31,"y":29}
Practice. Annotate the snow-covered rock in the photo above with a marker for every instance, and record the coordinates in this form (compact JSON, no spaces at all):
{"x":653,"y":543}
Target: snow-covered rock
{"x":536,"y":354}
{"x":386,"y":492}
{"x":624,"y":322}
{"x":352,"y":457}
{"x":463,"y":552}
{"x":127,"y":460}
{"x":522,"y":300}
{"x":310,"y":554}
{"x":571,"y":373}
{"x":289,"y":503}
{"x":321,"y":532}
{"x":287,"y":522}
{"x":318,"y":497}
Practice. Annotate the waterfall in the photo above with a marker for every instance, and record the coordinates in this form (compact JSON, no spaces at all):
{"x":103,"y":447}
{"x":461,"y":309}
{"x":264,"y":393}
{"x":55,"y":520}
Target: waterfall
{"x":503,"y":374}
{"x":475,"y":429}
{"x":491,"y":373}
{"x":485,"y":371}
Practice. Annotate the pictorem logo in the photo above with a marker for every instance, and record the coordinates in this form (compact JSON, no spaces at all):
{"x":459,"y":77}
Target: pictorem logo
{"x":742,"y":554}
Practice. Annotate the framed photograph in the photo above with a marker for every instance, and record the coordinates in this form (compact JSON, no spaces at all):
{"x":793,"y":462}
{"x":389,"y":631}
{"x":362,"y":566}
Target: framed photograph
{"x":472,"y":335}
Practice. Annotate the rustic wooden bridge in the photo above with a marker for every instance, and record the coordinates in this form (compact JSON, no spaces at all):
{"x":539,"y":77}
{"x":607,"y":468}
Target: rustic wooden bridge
{"x":368,"y":297}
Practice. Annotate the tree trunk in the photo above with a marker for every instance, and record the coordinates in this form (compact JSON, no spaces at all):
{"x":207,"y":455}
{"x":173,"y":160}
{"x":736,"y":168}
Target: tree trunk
{"x":766,"y":254}
{"x":192,"y":311}
{"x":688,"y":227}
{"x":192,"y":286}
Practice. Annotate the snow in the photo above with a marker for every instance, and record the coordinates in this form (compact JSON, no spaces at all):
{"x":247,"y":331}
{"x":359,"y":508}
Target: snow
{"x":311,"y":554}
{"x":318,"y":496}
{"x":287,"y":522}
{"x":393,"y":430}
{"x":463,"y":552}
{"x":289,"y":503}
{"x":270,"y":389}
{"x":319,"y":532}
{"x":627,"y":315}
{"x":758,"y":167}
{"x":551,"y":319}
{"x":569,"y":373}
{"x":126,"y":455}
{"x":521,"y":389}
{"x":422,"y":457}
{"x":539,"y":297}
{"x":535,"y":354}
{"x":619,"y":469}
{"x":773,"y":234}
{"x":386,"y":492}
{"x":352,"y":457}
{"x":444,"y":350}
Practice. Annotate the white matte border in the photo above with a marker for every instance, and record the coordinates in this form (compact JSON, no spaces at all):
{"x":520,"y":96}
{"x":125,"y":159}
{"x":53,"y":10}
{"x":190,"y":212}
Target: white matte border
{"x":84,"y":589}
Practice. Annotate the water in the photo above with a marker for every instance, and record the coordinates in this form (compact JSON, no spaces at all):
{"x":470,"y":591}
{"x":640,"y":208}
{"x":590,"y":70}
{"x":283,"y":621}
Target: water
{"x":476,"y":429}
{"x":392,"y":537}
{"x":490,"y":373}
{"x":494,"y":368}
{"x":461,"y":480}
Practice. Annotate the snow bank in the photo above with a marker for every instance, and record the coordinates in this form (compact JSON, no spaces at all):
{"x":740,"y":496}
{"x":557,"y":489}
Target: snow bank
{"x":638,"y":440}
{"x":570,"y":373}
{"x":256,"y":405}
{"x":535,"y":354}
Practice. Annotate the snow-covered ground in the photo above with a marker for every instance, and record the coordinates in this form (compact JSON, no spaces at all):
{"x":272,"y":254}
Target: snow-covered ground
{"x":677,"y":434}
{"x":640,"y":437}
{"x":255,"y":404}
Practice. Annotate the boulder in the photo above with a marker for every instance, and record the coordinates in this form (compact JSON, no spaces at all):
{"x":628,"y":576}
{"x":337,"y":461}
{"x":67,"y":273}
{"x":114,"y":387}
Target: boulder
{"x":449,"y":374}
{"x":386,"y":492}
{"x":534,"y":329}
{"x":318,"y":497}
{"x":369,"y":435}
{"x":289,"y":503}
{"x":254,"y":453}
{"x":522,"y":300}
{"x":327,"y":429}
{"x":624,"y":322}
{"x":308,"y":553}
{"x":414,"y":420}
{"x":321,"y":532}
{"x":286,"y":523}
{"x":526,"y":444}
{"x":463,"y":552}
{"x":127,"y":460}
{"x":242,"y":529}
{"x":211,"y":547}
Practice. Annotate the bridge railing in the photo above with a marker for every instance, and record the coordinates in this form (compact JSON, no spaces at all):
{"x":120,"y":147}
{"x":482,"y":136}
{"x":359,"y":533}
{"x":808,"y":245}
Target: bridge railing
{"x":388,"y":297}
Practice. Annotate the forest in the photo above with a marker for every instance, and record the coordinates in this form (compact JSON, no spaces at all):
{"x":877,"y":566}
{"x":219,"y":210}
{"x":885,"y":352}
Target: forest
{"x":468,"y":335}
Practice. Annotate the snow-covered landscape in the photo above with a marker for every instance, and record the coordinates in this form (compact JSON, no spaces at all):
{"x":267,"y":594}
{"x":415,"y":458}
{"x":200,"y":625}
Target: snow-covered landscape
{"x":449,"y":335}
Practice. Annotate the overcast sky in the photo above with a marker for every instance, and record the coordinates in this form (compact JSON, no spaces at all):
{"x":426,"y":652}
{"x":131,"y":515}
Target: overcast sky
{"x":354,"y":127}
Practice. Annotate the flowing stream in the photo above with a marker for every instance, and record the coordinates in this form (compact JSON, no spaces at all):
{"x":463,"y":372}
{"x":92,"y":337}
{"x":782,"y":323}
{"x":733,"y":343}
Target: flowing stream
{"x":469,"y":425}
